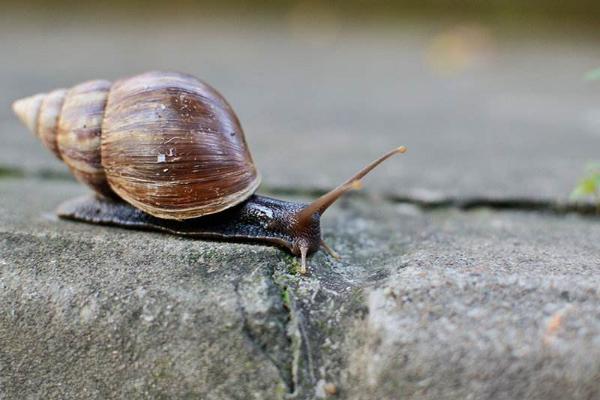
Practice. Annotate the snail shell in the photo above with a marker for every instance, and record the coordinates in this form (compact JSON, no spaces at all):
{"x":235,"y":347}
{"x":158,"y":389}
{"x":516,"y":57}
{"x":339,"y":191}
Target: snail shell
{"x":165,"y":142}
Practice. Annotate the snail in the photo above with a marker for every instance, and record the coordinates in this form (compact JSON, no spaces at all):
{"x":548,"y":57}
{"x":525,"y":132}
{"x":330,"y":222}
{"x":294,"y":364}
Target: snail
{"x":164,"y":151}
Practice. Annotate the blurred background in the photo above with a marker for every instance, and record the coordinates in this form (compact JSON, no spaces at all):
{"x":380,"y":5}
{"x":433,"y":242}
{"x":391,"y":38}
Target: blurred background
{"x":489,"y":96}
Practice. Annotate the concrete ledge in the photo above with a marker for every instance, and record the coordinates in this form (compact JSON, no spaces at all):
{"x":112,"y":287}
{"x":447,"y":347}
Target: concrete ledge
{"x":423,"y":305}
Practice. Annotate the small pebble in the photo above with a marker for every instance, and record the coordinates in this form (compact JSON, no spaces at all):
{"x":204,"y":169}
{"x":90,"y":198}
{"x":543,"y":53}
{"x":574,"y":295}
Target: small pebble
{"x":330,"y":389}
{"x":389,"y":292}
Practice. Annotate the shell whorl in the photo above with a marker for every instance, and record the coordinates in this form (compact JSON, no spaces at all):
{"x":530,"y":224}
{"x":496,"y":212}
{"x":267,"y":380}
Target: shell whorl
{"x":68,"y":123}
{"x":80,"y":133}
{"x":167,"y":143}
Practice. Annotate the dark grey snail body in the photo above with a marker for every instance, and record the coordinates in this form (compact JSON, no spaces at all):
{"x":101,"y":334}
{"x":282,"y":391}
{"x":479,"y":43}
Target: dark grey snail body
{"x":164,"y":151}
{"x":258,"y":220}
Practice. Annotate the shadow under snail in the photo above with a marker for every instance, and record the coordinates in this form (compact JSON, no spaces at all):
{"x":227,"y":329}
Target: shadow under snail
{"x":164,"y":151}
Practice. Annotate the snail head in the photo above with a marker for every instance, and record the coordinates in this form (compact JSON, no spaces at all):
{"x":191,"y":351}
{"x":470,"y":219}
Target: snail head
{"x":306,"y":229}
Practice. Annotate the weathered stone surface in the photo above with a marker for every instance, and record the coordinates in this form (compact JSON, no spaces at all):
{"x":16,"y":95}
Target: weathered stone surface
{"x":515,"y":121}
{"x":488,"y":305}
{"x":91,"y":311}
{"x":423,"y":305}
{"x":100,"y":313}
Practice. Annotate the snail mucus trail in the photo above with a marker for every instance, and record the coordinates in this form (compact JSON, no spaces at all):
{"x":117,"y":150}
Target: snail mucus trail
{"x":164,"y":151}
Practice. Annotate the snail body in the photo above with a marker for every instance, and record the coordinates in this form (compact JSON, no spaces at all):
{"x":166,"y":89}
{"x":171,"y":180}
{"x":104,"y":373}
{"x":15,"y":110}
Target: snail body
{"x":165,"y":151}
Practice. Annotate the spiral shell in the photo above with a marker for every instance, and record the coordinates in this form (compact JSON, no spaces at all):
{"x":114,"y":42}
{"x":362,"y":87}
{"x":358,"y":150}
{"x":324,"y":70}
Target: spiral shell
{"x":164,"y":142}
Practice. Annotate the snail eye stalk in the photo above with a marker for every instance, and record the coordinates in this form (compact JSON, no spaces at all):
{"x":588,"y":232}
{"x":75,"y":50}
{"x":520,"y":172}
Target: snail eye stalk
{"x":321,"y":204}
{"x":304,"y":217}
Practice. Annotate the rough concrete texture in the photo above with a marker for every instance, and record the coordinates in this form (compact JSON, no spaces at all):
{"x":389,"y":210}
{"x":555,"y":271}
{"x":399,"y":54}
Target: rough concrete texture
{"x":439,"y":304}
{"x":511,"y":119}
{"x":488,"y":305}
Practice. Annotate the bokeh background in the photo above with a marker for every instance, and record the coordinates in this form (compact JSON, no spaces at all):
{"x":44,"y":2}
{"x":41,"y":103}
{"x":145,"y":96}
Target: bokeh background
{"x":489,"y":96}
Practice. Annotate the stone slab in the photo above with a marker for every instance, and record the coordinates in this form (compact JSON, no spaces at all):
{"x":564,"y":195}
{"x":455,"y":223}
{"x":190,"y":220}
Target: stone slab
{"x":423,"y":305}
{"x":487,"y":306}
{"x":511,"y":119}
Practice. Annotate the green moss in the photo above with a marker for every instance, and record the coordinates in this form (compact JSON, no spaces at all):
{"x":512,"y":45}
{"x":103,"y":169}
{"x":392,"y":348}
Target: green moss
{"x":294,"y":266}
{"x":281,"y":391}
{"x":285,"y":297}
{"x":192,"y":257}
{"x":8,"y":172}
{"x":163,"y":369}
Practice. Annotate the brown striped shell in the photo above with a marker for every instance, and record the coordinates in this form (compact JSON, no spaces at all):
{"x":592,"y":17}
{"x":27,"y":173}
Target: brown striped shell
{"x":164,"y":142}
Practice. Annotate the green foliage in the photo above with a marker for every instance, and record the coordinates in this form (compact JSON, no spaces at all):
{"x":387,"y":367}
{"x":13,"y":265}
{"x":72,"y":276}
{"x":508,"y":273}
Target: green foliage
{"x":589,"y":185}
{"x":593,"y":75}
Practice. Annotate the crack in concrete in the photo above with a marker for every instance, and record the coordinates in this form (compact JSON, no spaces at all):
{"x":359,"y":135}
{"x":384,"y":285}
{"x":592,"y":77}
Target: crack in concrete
{"x":254,"y":340}
{"x":508,"y":204}
{"x":293,"y":360}
{"x":466,"y":204}
{"x":300,"y":347}
{"x":288,"y":373}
